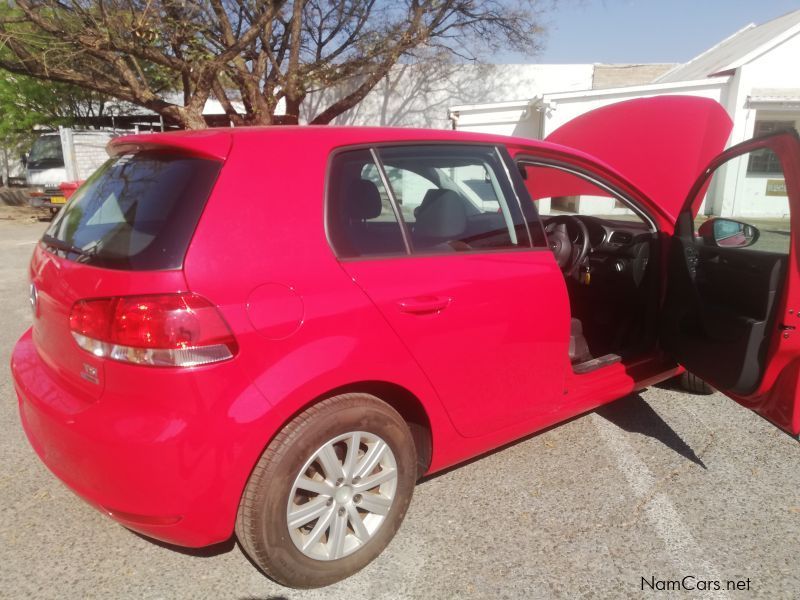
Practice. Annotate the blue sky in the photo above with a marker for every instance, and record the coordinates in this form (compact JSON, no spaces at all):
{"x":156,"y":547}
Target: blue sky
{"x":620,"y":31}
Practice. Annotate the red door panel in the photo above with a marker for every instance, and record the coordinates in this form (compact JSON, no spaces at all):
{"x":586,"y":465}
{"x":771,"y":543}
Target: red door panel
{"x":490,"y":330}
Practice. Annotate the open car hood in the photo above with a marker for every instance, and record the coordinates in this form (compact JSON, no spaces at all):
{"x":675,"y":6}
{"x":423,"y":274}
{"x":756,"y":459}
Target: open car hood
{"x":661,"y":145}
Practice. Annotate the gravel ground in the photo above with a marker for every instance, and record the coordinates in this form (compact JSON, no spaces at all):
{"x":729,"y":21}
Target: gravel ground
{"x":659,"y":485}
{"x":14,"y":206}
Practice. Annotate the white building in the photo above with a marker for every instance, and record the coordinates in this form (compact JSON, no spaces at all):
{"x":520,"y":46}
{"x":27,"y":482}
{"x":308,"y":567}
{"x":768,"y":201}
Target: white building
{"x":419,"y":94}
{"x":754,"y":74}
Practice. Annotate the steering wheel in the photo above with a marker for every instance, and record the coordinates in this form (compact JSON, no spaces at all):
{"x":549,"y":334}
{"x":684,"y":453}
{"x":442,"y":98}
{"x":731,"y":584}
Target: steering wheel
{"x":569,"y":255}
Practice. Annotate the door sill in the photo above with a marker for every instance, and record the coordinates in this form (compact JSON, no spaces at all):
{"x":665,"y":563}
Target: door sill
{"x":596,"y":363}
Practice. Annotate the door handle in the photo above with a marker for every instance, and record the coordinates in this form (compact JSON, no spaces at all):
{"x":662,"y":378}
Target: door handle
{"x":420,"y":305}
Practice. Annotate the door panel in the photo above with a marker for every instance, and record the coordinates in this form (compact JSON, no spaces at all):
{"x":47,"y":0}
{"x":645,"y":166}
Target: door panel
{"x":731,"y":313}
{"x":721,"y":324}
{"x":490,"y":330}
{"x":481,"y":307}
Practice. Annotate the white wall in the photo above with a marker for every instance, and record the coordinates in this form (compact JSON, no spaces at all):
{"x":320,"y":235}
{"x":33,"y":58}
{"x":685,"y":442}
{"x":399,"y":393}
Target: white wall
{"x":419,"y":95}
{"x":739,"y":194}
{"x":90,"y":151}
{"x":11,"y":166}
{"x":506,"y":118}
{"x":743,"y":194}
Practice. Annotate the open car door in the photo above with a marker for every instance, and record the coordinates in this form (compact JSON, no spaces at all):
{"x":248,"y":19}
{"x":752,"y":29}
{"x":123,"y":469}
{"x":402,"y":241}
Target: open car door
{"x":732,"y":305}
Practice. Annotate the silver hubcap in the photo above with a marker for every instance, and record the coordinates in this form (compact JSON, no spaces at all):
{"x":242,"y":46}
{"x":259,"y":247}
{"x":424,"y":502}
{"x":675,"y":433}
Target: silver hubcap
{"x":342,"y":495}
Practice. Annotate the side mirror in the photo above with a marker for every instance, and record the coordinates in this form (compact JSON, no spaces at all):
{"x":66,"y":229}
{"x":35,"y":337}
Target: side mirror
{"x":727,"y":233}
{"x":24,"y":159}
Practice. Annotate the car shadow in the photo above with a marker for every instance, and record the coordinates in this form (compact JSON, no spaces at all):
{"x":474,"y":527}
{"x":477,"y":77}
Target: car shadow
{"x":673,"y":383}
{"x":634,"y":415}
{"x":630,"y":413}
{"x":205,"y":552}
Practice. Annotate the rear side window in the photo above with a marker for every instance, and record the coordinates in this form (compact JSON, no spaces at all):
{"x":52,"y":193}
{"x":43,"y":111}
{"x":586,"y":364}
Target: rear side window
{"x":423,"y":199}
{"x":454,"y":198}
{"x":137,"y":212}
{"x":361,"y":220}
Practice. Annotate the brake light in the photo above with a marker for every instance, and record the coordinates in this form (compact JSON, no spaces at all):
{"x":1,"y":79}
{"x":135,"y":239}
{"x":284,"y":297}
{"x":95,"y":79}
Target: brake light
{"x":166,"y":330}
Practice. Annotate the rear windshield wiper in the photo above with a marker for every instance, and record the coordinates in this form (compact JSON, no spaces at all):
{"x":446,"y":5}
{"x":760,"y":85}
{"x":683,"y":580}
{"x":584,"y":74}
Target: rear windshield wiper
{"x":66,"y":246}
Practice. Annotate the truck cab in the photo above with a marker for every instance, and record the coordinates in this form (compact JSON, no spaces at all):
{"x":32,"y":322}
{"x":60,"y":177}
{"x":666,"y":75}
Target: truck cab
{"x":62,"y":156}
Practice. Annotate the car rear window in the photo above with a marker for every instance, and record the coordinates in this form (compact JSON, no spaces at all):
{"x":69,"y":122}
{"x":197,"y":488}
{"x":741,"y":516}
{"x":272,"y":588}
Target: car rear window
{"x":137,"y":212}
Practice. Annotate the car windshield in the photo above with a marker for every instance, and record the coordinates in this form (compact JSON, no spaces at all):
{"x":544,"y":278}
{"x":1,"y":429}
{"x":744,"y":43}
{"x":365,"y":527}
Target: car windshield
{"x":137,"y":212}
{"x":46,"y":152}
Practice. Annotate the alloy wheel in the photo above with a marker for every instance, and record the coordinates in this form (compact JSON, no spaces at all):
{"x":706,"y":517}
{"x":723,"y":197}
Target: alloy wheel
{"x":342,"y":495}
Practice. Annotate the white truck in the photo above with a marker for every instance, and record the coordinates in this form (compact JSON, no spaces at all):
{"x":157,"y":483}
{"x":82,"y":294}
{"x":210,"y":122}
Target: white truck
{"x":63,"y":156}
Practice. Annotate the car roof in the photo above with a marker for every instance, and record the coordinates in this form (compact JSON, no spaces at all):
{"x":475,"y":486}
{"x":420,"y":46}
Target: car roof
{"x":217,"y":142}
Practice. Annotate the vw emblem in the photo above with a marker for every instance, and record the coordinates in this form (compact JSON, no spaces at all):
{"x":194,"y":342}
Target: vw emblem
{"x":34,"y":300}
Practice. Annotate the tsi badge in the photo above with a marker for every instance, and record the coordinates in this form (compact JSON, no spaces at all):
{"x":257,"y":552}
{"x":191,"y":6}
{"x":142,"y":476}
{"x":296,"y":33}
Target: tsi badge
{"x":89,"y":373}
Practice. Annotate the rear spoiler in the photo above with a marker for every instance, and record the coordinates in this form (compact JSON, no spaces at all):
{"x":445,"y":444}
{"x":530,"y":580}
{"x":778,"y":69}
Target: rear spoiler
{"x":209,"y":143}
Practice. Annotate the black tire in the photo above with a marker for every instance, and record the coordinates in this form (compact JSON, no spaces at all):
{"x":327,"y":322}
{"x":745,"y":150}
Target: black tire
{"x":692,"y":383}
{"x":262,"y":524}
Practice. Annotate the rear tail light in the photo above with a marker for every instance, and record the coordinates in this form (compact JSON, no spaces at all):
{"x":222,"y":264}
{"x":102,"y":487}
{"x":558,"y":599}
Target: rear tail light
{"x":166,"y":330}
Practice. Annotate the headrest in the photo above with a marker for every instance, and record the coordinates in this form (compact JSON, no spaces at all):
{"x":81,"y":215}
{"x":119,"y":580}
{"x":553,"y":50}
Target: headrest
{"x":442,"y":218}
{"x":429,"y":197}
{"x":363,"y":200}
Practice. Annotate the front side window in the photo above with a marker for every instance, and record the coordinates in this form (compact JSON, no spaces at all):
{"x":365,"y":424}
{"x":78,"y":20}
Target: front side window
{"x":454,"y":198}
{"x":758,"y":205}
{"x":558,"y":191}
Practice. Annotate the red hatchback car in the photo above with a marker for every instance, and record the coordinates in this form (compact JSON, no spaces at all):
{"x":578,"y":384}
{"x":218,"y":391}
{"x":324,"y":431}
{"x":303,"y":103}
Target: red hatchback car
{"x":277,"y":331}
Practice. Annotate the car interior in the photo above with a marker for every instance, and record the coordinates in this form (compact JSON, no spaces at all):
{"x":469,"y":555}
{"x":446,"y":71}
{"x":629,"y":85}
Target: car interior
{"x":606,"y":249}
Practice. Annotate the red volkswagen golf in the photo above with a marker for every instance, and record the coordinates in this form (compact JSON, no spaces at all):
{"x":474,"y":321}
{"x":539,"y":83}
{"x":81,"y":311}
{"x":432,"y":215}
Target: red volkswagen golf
{"x":274,"y":332}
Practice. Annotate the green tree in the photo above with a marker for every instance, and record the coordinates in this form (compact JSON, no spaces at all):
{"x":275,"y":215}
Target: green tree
{"x":27,"y":104}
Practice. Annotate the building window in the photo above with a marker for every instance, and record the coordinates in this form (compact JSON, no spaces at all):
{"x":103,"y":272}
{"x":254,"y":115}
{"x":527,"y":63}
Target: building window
{"x":765,"y":161}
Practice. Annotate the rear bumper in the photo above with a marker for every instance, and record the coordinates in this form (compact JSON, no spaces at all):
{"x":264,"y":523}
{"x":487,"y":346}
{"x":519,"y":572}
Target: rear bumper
{"x":168,"y":461}
{"x":44,"y":202}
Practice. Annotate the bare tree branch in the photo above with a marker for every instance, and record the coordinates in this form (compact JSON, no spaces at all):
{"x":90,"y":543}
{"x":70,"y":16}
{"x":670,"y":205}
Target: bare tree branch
{"x":171,"y":56}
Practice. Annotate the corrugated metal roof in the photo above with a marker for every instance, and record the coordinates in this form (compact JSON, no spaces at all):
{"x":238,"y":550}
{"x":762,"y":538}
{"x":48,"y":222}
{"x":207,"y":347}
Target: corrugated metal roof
{"x":737,"y":50}
{"x":610,"y":76}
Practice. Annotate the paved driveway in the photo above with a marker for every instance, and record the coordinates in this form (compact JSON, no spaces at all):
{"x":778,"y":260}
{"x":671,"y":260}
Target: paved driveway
{"x":660,"y":485}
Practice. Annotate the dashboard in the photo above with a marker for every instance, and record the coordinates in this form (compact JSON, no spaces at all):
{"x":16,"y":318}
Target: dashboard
{"x":619,"y":248}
